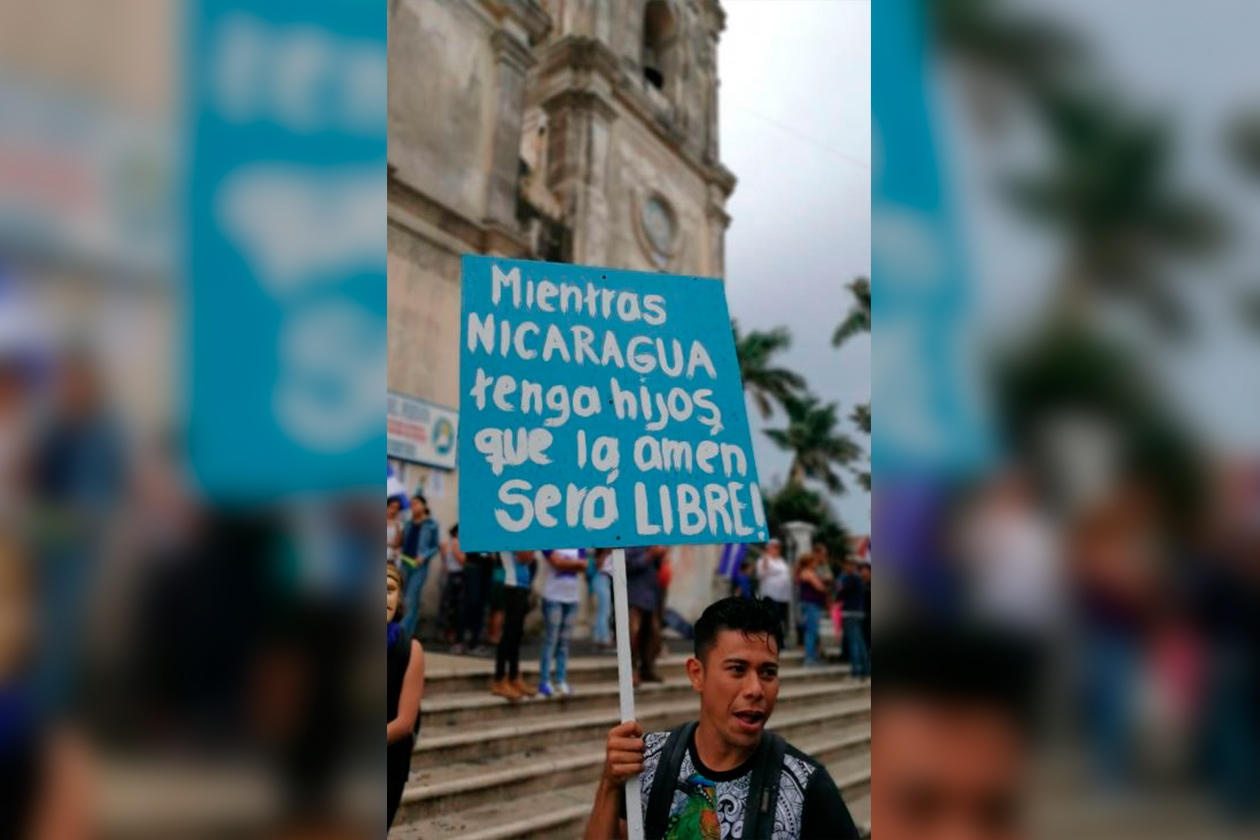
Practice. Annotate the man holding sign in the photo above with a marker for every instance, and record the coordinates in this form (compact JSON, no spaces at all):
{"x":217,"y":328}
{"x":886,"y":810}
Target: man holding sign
{"x":604,"y":407}
{"x":724,"y":776}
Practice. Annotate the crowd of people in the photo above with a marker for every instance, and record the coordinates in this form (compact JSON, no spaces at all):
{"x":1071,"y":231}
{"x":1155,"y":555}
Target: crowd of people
{"x":841,"y":592}
{"x":486,"y":597}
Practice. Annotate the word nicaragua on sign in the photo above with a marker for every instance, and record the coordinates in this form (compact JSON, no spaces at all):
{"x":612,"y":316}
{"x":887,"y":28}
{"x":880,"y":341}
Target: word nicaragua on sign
{"x":600,"y":404}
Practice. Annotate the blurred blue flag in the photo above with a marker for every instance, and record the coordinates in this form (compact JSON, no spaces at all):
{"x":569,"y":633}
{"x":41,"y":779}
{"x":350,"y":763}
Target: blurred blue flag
{"x":732,"y":555}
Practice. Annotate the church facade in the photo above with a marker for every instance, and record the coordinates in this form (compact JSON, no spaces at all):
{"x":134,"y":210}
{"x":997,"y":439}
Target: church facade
{"x":581,"y":131}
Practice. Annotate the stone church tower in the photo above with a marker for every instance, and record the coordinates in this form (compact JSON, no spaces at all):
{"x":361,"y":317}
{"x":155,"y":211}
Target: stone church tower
{"x":620,"y":137}
{"x":580,"y":131}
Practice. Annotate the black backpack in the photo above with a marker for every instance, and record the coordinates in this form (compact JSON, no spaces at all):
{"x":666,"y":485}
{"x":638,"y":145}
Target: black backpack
{"x":763,"y":788}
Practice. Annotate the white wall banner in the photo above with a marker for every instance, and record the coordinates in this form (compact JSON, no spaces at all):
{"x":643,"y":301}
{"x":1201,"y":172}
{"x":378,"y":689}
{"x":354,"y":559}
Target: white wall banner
{"x":421,"y":432}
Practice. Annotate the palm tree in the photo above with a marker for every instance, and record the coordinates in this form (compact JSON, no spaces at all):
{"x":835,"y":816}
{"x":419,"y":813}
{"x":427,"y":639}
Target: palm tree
{"x":817,"y":444}
{"x":859,"y":318}
{"x":1109,"y":189}
{"x":1244,"y":140}
{"x":861,"y":418}
{"x":858,"y":321}
{"x":763,"y":381}
{"x":1004,"y":49}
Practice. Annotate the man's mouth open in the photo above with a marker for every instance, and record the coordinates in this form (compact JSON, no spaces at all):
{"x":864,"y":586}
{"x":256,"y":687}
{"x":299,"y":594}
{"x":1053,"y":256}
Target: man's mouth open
{"x":750,"y":720}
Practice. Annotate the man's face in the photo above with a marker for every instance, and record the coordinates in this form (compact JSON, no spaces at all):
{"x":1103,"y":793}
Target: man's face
{"x":417,"y":509}
{"x":945,"y":772}
{"x":866,"y":574}
{"x":738,"y":684}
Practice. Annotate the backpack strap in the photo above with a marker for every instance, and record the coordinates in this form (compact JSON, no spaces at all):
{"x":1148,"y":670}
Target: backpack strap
{"x":763,"y":787}
{"x":661,"y":796}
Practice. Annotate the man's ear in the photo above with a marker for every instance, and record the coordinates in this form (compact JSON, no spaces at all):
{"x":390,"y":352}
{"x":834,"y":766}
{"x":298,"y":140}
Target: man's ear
{"x":695,"y":673}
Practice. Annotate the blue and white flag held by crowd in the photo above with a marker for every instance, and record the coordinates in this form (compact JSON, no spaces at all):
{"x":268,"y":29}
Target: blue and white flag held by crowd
{"x":732,"y":556}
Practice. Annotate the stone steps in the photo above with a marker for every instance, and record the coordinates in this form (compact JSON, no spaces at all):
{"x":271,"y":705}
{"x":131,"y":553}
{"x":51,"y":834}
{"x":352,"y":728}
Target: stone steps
{"x":447,"y":788}
{"x":486,"y":769}
{"x":457,"y":675}
{"x":476,"y":742}
{"x":453,"y":709}
{"x":561,"y":813}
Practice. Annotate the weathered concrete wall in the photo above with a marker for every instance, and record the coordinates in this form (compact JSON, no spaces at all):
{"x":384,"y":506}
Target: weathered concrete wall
{"x":423,"y":318}
{"x":443,"y":100}
{"x":640,"y":164}
{"x":424,"y":343}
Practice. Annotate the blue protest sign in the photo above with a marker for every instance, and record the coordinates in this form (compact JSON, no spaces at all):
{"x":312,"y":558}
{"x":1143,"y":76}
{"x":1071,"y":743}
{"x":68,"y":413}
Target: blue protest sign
{"x":925,"y":387}
{"x":286,"y":247}
{"x":600,"y":408}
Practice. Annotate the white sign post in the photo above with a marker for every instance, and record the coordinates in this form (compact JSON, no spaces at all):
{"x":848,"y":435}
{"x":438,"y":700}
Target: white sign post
{"x":625,"y":685}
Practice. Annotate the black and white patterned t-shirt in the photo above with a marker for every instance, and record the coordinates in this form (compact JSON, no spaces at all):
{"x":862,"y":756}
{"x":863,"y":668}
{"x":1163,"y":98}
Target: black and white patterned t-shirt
{"x":709,"y":805}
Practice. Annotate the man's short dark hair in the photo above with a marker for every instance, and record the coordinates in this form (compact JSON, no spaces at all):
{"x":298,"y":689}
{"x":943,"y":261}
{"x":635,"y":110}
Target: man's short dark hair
{"x":750,"y":616}
{"x":962,"y":666}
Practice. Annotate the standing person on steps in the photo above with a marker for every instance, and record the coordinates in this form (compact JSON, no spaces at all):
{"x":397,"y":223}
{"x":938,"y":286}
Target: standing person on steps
{"x":514,"y":573}
{"x":420,"y":543}
{"x":393,"y":528}
{"x":453,"y":560}
{"x":774,"y":580}
{"x":404,"y":691}
{"x":852,"y":597}
{"x":813,"y":600}
{"x":723,"y":776}
{"x":478,"y":572}
{"x":602,"y":586}
{"x":643,"y":596}
{"x":864,"y":570}
{"x":561,"y":594}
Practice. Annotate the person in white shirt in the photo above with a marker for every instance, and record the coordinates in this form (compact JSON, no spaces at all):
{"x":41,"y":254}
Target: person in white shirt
{"x":774,"y":580}
{"x":561,"y":593}
{"x":393,"y":529}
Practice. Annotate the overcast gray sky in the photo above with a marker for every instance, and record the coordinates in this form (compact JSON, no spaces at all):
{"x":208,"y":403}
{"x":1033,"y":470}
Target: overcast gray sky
{"x":796,"y":130}
{"x":1214,"y":376}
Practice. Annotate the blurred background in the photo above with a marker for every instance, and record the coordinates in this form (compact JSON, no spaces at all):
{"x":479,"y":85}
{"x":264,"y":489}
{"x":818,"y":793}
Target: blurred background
{"x":1065,"y":286}
{"x":191,"y":385}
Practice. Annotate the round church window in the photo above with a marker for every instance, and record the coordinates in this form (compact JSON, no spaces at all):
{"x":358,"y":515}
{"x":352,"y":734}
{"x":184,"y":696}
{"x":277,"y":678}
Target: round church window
{"x":658,"y":223}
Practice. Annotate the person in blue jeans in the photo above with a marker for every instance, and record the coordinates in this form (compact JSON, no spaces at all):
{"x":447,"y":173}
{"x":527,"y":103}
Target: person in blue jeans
{"x":561,"y":593}
{"x":813,"y":600}
{"x":851,"y":592}
{"x":420,"y":543}
{"x":602,"y":586}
